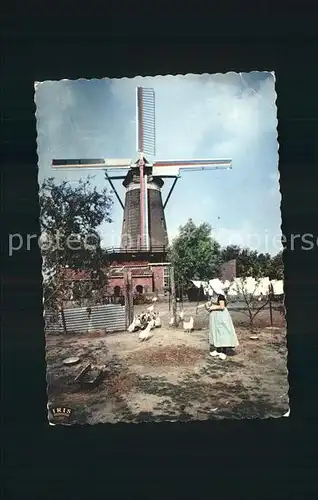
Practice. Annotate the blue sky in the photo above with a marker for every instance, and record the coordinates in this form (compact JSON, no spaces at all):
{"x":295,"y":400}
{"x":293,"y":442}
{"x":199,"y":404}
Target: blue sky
{"x":197,"y":116}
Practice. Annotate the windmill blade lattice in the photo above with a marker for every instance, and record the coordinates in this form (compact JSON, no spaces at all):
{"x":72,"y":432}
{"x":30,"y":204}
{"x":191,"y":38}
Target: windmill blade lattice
{"x":145,"y":114}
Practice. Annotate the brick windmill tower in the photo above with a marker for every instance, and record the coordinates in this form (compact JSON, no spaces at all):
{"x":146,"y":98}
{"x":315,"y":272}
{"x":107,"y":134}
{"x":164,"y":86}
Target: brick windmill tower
{"x":144,"y":237}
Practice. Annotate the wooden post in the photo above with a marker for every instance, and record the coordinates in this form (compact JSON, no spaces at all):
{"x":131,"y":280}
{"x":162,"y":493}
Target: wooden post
{"x":129,"y":307}
{"x":198,"y":300}
{"x":173,"y":296}
{"x":130,"y":298}
{"x":90,"y":326}
{"x":270,"y":293}
{"x":126,"y":297}
{"x":142,"y":202}
{"x":63,"y":320}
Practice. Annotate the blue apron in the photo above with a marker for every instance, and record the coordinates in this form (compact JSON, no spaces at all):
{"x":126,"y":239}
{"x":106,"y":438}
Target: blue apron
{"x":221,"y":329}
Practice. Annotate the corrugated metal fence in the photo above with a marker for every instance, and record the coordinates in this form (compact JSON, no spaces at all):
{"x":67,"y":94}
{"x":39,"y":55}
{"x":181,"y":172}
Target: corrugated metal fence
{"x":111,"y":317}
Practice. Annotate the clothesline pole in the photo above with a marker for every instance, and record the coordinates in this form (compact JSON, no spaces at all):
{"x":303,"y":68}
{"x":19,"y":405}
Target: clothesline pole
{"x":173,"y":295}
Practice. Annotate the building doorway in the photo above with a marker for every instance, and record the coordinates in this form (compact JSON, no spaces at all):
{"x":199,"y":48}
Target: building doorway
{"x":117,"y":291}
{"x":139,"y":289}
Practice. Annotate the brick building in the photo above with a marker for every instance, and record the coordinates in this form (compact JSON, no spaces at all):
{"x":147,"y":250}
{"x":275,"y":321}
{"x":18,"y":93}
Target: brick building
{"x":149,"y":272}
{"x":228,"y":270}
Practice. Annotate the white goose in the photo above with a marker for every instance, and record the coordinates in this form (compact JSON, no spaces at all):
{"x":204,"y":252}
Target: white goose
{"x":132,"y":326}
{"x":146,"y":333}
{"x":135,"y":324}
{"x":157,"y":321}
{"x":188,"y":325}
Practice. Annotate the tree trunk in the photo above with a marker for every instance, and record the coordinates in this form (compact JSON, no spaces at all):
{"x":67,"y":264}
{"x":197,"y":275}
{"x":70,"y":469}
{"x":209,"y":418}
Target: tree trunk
{"x":251,"y":322}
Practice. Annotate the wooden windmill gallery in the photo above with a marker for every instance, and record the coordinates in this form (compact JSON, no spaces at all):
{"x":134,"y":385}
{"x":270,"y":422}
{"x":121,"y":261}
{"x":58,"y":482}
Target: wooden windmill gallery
{"x":144,"y":237}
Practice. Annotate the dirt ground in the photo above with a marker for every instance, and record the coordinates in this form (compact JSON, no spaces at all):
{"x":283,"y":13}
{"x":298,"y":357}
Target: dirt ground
{"x":171,"y":377}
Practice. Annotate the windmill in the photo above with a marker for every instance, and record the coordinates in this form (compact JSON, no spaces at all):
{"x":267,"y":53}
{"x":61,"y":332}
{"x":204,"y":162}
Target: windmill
{"x":144,"y":225}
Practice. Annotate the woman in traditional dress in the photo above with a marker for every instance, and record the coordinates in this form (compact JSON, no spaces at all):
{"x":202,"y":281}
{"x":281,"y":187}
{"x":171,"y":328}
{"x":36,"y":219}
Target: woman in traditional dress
{"x":222,"y":336}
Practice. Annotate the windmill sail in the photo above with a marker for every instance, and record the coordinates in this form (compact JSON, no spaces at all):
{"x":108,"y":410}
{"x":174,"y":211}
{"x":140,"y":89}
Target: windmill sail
{"x":145,"y":120}
{"x":168,"y":168}
{"x":95,"y":163}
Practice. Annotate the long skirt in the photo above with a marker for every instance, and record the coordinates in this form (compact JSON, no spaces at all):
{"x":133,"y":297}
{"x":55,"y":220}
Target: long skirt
{"x":221,"y":329}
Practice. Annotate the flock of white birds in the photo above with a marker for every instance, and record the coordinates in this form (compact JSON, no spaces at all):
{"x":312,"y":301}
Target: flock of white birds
{"x":148,"y":320}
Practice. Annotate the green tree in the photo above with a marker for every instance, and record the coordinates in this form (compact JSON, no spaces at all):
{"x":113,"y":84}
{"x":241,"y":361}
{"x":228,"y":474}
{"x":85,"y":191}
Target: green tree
{"x":194,"y":254}
{"x":69,"y":219}
{"x":230,"y":252}
{"x":276,"y":269}
{"x":248,"y":262}
{"x":264,"y":264}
